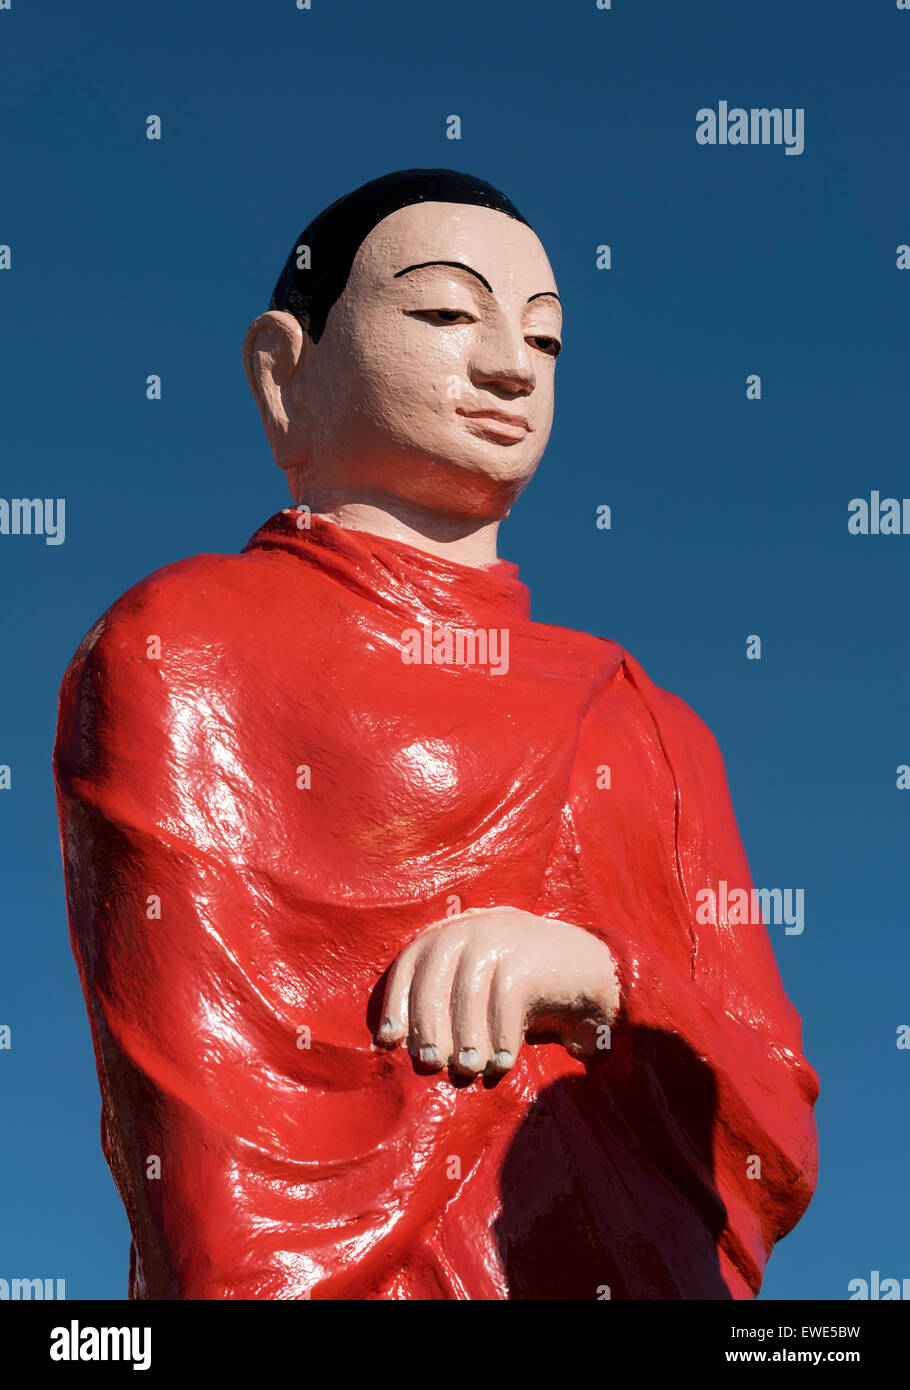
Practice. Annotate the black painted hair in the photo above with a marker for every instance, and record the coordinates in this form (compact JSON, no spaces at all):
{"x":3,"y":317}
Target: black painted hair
{"x":336,"y":234}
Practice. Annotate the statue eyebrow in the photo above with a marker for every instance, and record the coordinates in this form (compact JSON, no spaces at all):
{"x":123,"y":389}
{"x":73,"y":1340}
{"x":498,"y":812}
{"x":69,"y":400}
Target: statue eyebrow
{"x":460,"y":265}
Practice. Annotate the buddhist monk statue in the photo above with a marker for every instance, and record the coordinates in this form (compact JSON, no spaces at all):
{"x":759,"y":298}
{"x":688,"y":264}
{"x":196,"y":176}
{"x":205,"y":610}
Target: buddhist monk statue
{"x":384,"y":897}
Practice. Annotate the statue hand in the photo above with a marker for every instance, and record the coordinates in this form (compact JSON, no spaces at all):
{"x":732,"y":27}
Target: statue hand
{"x":469,"y":989}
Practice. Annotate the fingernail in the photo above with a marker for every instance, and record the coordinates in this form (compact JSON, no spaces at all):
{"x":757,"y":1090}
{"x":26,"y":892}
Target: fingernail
{"x":429,"y":1054}
{"x":503,"y":1060}
{"x":469,"y":1058}
{"x":389,"y":1025}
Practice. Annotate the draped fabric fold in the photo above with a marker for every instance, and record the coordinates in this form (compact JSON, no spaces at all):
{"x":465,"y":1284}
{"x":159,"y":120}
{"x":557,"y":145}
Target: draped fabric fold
{"x":262,"y":803}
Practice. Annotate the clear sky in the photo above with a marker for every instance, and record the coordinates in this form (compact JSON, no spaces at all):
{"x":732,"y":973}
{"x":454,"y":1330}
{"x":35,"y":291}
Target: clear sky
{"x":132,"y":257}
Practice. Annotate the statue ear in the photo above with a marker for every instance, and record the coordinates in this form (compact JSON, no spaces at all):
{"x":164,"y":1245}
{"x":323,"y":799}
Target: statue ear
{"x":274,"y":350}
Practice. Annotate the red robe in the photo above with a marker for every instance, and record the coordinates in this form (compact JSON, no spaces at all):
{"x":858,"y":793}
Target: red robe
{"x":261,"y":804}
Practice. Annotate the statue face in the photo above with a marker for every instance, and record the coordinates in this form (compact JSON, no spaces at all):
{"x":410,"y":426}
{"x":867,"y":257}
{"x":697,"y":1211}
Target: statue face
{"x":401,"y":395}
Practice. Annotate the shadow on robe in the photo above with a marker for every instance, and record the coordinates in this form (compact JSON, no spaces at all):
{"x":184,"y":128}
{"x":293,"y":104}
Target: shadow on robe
{"x":607,"y":1188}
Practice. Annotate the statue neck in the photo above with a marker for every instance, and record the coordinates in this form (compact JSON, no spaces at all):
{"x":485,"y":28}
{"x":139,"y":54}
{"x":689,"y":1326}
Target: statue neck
{"x":463,"y":540}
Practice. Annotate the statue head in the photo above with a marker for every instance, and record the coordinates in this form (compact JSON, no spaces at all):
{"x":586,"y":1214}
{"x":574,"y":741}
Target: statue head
{"x":408,"y":354}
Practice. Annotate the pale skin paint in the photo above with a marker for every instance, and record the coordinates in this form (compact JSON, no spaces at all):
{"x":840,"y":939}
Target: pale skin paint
{"x":377,"y":427}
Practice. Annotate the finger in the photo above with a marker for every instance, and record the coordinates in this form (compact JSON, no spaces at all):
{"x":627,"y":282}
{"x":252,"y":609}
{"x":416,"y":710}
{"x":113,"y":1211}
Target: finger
{"x":470,"y":997}
{"x":505,"y":1017}
{"x":393,"y":1027}
{"x":429,"y":1005}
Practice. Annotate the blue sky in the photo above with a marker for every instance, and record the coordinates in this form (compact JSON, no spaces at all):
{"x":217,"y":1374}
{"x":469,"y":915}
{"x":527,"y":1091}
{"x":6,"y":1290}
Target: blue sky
{"x":729,"y":516}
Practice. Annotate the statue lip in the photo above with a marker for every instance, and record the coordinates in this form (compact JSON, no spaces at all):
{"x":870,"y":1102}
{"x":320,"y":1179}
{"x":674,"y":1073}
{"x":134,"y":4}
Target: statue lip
{"x":498,"y":417}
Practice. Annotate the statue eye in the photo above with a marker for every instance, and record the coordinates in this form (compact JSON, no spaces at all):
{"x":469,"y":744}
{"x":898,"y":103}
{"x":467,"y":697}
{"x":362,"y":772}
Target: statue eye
{"x":442,"y":316}
{"x":551,"y":346}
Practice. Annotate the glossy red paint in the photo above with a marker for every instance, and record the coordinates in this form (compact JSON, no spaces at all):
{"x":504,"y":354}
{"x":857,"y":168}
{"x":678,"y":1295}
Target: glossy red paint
{"x":233,"y":1032}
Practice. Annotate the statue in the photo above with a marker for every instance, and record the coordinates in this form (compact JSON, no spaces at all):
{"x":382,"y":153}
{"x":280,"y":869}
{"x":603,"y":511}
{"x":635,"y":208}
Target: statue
{"x":383,"y":896}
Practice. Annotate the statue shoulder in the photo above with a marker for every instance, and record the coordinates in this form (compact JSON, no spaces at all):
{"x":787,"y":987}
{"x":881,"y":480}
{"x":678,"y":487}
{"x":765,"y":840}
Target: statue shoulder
{"x":172,"y":653}
{"x":684,"y":733}
{"x":182,"y":634}
{"x":205,"y":603}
